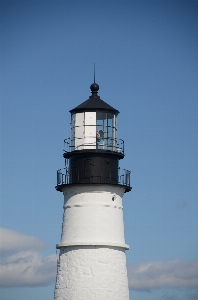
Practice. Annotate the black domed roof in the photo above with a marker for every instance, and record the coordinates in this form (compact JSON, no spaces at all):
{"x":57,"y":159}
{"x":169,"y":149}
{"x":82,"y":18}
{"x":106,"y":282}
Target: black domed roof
{"x":94,"y":103}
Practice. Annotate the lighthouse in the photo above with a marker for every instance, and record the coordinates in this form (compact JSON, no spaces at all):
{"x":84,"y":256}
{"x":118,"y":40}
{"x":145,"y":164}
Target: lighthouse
{"x":92,"y":260}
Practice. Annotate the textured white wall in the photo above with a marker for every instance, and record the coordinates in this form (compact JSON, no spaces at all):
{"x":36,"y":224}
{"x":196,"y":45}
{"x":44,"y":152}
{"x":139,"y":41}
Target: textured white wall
{"x":92,"y":273}
{"x":92,"y":263}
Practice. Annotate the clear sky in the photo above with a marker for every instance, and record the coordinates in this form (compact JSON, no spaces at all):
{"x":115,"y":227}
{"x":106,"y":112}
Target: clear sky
{"x":146,"y":55}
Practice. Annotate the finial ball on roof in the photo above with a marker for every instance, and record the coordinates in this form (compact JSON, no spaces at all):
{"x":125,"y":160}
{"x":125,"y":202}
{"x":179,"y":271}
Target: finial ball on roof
{"x":94,"y":87}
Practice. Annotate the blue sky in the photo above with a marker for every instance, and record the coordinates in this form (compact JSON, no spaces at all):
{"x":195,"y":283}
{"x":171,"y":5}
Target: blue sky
{"x":146,"y":55}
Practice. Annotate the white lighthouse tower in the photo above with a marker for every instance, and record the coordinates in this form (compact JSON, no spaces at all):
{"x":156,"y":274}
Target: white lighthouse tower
{"x":92,"y":261}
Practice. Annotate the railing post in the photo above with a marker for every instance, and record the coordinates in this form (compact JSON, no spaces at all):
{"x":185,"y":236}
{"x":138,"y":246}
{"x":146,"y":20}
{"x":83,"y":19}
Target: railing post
{"x":58,"y":177}
{"x":124,"y":177}
{"x":119,"y":175}
{"x":67,"y":174}
{"x":129,"y":178}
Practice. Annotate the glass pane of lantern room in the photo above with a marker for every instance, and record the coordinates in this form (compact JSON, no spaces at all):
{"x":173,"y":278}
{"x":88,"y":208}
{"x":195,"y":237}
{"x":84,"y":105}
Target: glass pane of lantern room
{"x":90,"y":130}
{"x":111,"y":132}
{"x":101,"y":130}
{"x":79,"y":131}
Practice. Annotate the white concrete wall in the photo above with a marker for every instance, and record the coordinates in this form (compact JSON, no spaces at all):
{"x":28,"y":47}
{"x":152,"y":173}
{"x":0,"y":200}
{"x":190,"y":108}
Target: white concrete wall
{"x":92,"y":262}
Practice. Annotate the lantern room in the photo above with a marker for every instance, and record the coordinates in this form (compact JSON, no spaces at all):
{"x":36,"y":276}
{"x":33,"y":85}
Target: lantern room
{"x":94,"y":130}
{"x":94,"y":125}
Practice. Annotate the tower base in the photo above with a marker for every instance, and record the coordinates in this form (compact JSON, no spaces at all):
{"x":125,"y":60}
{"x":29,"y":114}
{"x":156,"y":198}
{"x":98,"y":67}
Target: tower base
{"x":91,"y":273}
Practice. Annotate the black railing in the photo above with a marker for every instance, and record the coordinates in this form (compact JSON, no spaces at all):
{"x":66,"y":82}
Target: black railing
{"x":124,"y":178}
{"x":107,"y":144}
{"x":64,"y":177}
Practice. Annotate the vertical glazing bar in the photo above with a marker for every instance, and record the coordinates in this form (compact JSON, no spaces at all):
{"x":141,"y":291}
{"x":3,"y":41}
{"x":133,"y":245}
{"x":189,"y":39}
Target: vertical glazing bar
{"x":114,"y":132}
